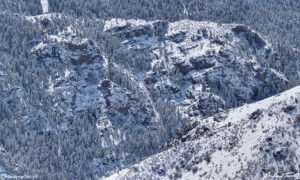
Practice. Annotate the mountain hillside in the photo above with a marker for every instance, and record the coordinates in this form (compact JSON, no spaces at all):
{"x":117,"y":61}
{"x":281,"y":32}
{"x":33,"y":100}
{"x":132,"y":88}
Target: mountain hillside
{"x":202,"y":67}
{"x":84,"y":96}
{"x":258,"y":140}
{"x":193,"y":72}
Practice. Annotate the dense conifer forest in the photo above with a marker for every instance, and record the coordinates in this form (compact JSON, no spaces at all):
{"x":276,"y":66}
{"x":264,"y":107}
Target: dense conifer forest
{"x":31,"y":139}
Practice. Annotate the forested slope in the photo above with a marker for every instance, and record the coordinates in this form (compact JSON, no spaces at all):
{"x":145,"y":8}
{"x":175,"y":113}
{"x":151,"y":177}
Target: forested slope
{"x":93,"y":87}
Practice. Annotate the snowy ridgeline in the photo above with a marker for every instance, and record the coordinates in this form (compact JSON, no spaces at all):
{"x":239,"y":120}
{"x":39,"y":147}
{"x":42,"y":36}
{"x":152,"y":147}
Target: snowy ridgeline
{"x":45,"y":6}
{"x":97,"y":101}
{"x":258,"y":140}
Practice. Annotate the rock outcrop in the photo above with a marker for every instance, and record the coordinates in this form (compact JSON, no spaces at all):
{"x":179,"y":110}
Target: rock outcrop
{"x":205,"y":57}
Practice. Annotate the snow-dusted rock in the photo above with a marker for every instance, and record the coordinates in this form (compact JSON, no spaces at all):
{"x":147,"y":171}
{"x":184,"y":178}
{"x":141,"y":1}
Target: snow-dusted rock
{"x":78,"y":89}
{"x":221,"y":58}
{"x":197,"y":69}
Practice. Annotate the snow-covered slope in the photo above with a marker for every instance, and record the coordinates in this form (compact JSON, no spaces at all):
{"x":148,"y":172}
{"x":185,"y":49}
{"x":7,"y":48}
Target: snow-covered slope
{"x":45,"y":6}
{"x":74,"y":95}
{"x":187,"y":60}
{"x":255,"y":141}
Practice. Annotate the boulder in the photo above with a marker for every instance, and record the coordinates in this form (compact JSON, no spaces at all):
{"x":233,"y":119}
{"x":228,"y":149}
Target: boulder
{"x":256,"y":114}
{"x":249,"y":35}
{"x":280,"y":154}
{"x":288,"y":108}
{"x":201,"y":63}
{"x":178,"y":37}
{"x":74,"y":47}
{"x":240,"y":29}
{"x":224,"y":54}
{"x":183,"y":67}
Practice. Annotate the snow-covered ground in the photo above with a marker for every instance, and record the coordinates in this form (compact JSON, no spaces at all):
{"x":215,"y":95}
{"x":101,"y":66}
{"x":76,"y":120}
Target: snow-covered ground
{"x":205,"y":49}
{"x":126,"y":113}
{"x":45,"y":6}
{"x":259,"y":140}
{"x":3,"y":173}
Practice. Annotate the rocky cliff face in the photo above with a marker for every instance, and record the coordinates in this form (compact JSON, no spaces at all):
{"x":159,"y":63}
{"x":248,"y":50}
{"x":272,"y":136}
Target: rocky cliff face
{"x":78,"y":86}
{"x":196,"y":70}
{"x":202,"y":66}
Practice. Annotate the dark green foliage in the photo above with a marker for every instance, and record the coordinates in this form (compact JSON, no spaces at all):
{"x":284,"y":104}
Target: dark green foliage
{"x":277,"y":19}
{"x":36,"y":151}
{"x":28,"y":7}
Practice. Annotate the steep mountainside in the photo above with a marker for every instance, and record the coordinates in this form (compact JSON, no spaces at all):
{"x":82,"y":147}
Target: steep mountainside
{"x":255,"y":141}
{"x":202,"y":67}
{"x":76,"y":108}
